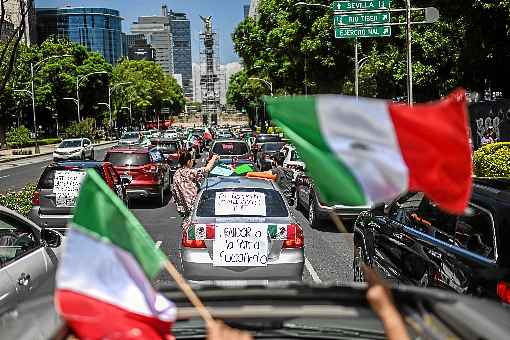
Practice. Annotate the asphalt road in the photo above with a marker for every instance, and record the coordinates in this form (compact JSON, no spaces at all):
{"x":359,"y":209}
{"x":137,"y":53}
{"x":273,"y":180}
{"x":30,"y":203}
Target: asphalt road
{"x":16,"y":174}
{"x":328,"y":253}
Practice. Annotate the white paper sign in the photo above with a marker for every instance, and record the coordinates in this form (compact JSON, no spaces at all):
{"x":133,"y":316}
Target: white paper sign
{"x":237,"y":245}
{"x":66,"y":187}
{"x":240,"y":203}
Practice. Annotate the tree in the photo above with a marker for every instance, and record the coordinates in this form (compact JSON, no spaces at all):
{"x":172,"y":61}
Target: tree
{"x":244,"y":94}
{"x":150,"y":89}
{"x":294,"y":47}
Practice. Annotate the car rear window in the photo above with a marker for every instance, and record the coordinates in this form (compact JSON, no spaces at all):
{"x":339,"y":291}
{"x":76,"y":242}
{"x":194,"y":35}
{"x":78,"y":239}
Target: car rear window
{"x":167,"y":147}
{"x":132,"y":135}
{"x":274,"y":204}
{"x":127,"y":159}
{"x":267,"y":138}
{"x":271,"y":146}
{"x":48,"y":176}
{"x":230,"y":148}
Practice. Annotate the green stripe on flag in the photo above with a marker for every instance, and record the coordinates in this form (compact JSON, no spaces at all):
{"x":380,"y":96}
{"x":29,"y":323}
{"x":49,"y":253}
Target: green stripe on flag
{"x":335,"y":181}
{"x":100,"y":213}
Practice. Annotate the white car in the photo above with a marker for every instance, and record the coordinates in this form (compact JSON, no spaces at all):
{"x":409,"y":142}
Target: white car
{"x":291,"y":158}
{"x":76,"y":148}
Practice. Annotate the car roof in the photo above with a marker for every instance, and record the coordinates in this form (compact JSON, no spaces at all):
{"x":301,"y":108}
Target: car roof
{"x":127,"y":149}
{"x":73,"y":139}
{"x":237,"y":182}
{"x":77,"y":164}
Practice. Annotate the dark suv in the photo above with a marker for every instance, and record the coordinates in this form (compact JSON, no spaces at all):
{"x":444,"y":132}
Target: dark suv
{"x":146,"y":168}
{"x":57,"y":190}
{"x":413,"y":242}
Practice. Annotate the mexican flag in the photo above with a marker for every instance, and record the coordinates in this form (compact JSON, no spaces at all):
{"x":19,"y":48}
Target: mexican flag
{"x":370,"y":151}
{"x":103,"y":289}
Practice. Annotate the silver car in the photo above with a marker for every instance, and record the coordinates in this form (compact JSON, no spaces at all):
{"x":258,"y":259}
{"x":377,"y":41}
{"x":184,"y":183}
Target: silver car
{"x":241,"y":229}
{"x":28,"y":259}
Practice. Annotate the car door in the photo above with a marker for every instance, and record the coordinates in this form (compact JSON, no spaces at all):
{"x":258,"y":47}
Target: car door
{"x":88,"y":147}
{"x":27,"y":262}
{"x":118,"y":187}
{"x":159,"y":160}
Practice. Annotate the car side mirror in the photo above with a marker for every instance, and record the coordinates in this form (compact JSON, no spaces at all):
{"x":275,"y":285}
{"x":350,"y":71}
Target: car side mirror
{"x":125,"y":180}
{"x":50,"y":238}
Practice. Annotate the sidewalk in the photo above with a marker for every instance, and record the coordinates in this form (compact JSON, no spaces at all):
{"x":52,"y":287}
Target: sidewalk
{"x":7,"y":156}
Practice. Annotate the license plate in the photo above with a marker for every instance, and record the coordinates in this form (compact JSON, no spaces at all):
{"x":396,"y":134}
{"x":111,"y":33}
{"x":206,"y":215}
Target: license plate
{"x":238,"y":245}
{"x":64,"y":201}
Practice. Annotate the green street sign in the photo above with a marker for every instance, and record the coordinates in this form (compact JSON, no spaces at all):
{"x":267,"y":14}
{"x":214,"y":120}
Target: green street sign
{"x":362,"y":18}
{"x":360,"y":5}
{"x":362,"y":32}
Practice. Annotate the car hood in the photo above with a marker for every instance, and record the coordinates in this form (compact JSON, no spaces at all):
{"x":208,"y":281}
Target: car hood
{"x":68,"y":149}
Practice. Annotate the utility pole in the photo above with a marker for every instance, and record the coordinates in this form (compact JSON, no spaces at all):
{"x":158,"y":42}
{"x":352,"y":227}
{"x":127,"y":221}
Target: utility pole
{"x":409,"y":56}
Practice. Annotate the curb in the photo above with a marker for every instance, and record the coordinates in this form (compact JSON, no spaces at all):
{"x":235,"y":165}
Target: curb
{"x":45,"y":153}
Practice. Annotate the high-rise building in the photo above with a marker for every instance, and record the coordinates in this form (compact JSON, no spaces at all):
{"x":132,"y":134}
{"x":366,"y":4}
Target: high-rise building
{"x":138,"y":48}
{"x":98,"y":29}
{"x":181,"y":50}
{"x":254,"y":9}
{"x":156,"y":30}
{"x":246,"y":10}
{"x":15,"y":10}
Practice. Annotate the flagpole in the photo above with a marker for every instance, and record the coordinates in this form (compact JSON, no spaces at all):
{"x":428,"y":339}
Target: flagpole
{"x":338,"y":222}
{"x":188,"y":291}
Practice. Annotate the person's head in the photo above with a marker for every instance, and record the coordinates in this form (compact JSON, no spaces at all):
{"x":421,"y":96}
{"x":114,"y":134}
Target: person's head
{"x":185,"y":160}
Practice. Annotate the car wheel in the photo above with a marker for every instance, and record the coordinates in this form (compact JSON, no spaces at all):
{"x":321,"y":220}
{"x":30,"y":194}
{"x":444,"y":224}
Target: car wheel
{"x":313,"y":216}
{"x":357,"y":262}
{"x":83,"y":156}
{"x":92,"y":155}
{"x":161,"y":196}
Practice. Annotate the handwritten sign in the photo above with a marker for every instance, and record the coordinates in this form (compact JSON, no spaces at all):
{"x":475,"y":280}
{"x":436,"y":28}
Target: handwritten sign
{"x":240,"y":203}
{"x":66,"y":187}
{"x":240,"y":245}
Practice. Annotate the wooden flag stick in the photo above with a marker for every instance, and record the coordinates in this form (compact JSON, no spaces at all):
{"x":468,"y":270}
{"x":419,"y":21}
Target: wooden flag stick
{"x":338,"y":222}
{"x":188,"y":291}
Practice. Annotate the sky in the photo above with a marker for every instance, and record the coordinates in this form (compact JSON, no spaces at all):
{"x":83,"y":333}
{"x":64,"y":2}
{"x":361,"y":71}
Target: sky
{"x":226,"y":15}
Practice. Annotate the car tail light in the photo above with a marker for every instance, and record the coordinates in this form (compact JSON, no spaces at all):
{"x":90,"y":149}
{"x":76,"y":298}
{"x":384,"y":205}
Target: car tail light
{"x":36,"y":198}
{"x":295,"y":238}
{"x":503,"y":290}
{"x":196,"y":234}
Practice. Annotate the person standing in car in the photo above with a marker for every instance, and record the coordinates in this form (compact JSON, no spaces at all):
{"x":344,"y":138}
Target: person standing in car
{"x":187,"y":181}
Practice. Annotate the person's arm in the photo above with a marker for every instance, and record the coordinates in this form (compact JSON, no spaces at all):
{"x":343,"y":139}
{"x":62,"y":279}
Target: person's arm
{"x":217,"y":330}
{"x":210,"y":164}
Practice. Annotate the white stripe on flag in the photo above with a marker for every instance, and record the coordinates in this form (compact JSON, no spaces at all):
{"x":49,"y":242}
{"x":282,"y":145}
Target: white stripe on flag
{"x":362,"y":136}
{"x":105,"y":272}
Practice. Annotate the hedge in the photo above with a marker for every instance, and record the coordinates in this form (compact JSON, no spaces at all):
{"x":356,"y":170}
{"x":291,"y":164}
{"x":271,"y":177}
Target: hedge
{"x":492,"y":160}
{"x":46,"y":141}
{"x":19,"y":201}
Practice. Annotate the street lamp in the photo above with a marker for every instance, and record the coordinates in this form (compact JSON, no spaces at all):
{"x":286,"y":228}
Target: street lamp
{"x":77,"y":99}
{"x":110,"y":91}
{"x":268,"y":83}
{"x":32,"y":92}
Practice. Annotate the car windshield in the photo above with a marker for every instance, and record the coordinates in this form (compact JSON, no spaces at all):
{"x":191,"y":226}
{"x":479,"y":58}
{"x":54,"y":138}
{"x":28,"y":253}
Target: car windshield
{"x":224,"y":203}
{"x":131,"y":135}
{"x":167,"y":147}
{"x":70,"y":144}
{"x":127,"y":159}
{"x":230,"y":148}
{"x":267,"y":138}
{"x":271,"y":146}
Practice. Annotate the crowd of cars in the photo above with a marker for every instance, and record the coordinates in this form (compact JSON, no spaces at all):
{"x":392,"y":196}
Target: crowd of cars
{"x":243,"y":226}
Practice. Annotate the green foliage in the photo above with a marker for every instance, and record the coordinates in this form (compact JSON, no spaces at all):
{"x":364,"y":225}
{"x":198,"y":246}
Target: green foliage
{"x":294,"y":47}
{"x":150,"y":87}
{"x":19,"y":201}
{"x":243,"y":93}
{"x":492,"y":160}
{"x":84,"y":129}
{"x":18,"y":137}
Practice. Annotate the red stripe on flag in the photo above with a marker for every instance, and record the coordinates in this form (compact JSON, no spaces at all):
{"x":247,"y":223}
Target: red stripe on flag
{"x":91,"y":318}
{"x":434,"y":142}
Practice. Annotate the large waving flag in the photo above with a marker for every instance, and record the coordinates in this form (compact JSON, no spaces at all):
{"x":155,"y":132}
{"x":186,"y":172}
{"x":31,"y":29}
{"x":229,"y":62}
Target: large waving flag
{"x":372,"y":150}
{"x":102,"y":285}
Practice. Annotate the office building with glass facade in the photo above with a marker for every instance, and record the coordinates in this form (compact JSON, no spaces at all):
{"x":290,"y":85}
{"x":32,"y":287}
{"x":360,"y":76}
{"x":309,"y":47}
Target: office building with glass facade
{"x":181,"y":36}
{"x":98,"y":29}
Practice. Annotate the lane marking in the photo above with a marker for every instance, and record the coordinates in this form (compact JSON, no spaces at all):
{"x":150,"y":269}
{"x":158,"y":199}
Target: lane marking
{"x":4,"y":176}
{"x":313,"y":273}
{"x":158,"y":244}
